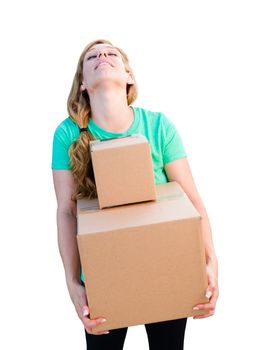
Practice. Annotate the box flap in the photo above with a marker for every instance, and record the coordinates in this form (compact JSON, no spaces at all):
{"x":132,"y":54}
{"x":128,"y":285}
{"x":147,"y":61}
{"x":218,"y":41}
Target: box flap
{"x":120,"y":141}
{"x":171,"y":204}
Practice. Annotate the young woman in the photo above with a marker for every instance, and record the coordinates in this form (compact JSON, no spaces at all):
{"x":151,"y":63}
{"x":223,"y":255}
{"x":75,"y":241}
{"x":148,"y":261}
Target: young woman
{"x":99,"y":106}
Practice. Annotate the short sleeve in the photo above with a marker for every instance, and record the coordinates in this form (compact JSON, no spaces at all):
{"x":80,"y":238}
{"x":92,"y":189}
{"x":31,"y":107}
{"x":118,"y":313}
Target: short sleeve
{"x":173,"y":147}
{"x":60,"y":156}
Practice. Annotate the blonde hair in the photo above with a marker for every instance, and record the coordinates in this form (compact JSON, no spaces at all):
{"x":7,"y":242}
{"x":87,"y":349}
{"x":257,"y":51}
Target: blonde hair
{"x":78,"y":107}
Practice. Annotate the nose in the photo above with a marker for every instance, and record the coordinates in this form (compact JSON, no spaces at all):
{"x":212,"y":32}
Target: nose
{"x":102,"y":53}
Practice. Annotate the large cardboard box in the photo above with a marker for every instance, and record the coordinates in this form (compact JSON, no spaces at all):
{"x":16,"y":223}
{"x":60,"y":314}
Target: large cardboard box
{"x":123,"y":170}
{"x":142,"y":262}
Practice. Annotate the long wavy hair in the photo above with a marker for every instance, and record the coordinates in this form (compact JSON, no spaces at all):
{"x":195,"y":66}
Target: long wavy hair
{"x":78,"y":107}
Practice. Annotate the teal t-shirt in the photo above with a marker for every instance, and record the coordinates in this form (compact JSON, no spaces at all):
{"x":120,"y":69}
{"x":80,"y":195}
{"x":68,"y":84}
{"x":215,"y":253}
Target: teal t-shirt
{"x":164,"y":139}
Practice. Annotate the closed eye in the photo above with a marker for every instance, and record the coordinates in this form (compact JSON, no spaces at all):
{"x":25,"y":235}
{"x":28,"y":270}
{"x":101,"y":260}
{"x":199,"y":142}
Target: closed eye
{"x":93,"y":56}
{"x":88,"y":58}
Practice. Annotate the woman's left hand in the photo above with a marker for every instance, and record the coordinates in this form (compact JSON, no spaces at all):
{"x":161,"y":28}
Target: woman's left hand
{"x":212,"y":291}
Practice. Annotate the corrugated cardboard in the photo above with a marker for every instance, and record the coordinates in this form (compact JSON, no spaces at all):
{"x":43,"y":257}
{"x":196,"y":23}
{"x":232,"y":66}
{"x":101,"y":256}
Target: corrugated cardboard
{"x":123,"y":170}
{"x":142,"y":262}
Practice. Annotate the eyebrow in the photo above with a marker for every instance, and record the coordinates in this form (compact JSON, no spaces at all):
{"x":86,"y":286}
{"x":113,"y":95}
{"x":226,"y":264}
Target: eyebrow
{"x":111,"y":47}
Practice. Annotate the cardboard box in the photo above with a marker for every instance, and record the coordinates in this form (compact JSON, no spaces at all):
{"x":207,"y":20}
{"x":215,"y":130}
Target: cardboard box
{"x":123,"y":170}
{"x":142,"y":262}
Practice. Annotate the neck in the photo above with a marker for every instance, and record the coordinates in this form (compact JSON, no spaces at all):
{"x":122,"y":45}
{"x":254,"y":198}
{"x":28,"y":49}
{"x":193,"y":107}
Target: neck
{"x":110,"y":111}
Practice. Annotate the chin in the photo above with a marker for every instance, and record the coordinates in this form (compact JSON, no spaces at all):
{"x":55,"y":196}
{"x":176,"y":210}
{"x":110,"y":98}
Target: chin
{"x":109,"y":79}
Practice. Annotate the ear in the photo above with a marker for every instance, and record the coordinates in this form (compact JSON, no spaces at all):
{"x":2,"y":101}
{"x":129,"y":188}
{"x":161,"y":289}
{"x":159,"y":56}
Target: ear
{"x":130,"y":80}
{"x":82,"y":87}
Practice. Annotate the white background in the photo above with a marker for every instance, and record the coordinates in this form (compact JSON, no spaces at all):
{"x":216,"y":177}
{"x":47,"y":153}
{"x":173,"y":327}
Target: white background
{"x":199,"y":62}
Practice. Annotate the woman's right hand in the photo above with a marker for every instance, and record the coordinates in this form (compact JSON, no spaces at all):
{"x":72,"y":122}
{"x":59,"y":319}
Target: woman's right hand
{"x":78,"y":297}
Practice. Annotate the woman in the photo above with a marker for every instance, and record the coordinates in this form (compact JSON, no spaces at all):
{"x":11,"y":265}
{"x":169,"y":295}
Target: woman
{"x":99,"y":106}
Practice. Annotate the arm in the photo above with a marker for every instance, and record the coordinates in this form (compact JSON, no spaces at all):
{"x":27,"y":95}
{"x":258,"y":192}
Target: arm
{"x":67,"y":230}
{"x":66,"y":225}
{"x":179,"y":171}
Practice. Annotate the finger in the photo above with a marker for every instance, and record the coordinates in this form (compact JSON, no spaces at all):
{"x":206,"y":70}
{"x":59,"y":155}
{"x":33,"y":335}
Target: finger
{"x":204,"y":316}
{"x":211,"y":288}
{"x":92,"y":323}
{"x":99,"y":333}
{"x":213,"y":298}
{"x":208,"y":293}
{"x":207,"y":306}
{"x":210,"y":304}
{"x":85,"y":310}
{"x":87,"y":321}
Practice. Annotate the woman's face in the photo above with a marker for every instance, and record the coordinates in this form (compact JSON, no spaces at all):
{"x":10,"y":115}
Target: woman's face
{"x":103,"y":66}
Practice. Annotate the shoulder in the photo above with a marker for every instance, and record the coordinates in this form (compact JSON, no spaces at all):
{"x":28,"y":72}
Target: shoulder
{"x":66,"y":126}
{"x":148,"y":112}
{"x":155,"y":117}
{"x":150,"y":115}
{"x":66,"y":131}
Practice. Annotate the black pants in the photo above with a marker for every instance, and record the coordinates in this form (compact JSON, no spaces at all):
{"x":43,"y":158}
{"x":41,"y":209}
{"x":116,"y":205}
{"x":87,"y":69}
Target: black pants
{"x":166,"y":335}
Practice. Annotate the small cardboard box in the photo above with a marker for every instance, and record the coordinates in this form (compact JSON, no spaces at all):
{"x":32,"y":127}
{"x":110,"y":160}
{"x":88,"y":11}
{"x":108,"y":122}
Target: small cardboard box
{"x":142,"y":262}
{"x":123,"y":170}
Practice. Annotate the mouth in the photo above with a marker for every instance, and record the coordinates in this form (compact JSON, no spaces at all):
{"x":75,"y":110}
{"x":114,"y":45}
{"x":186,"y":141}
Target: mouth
{"x":103,"y":63}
